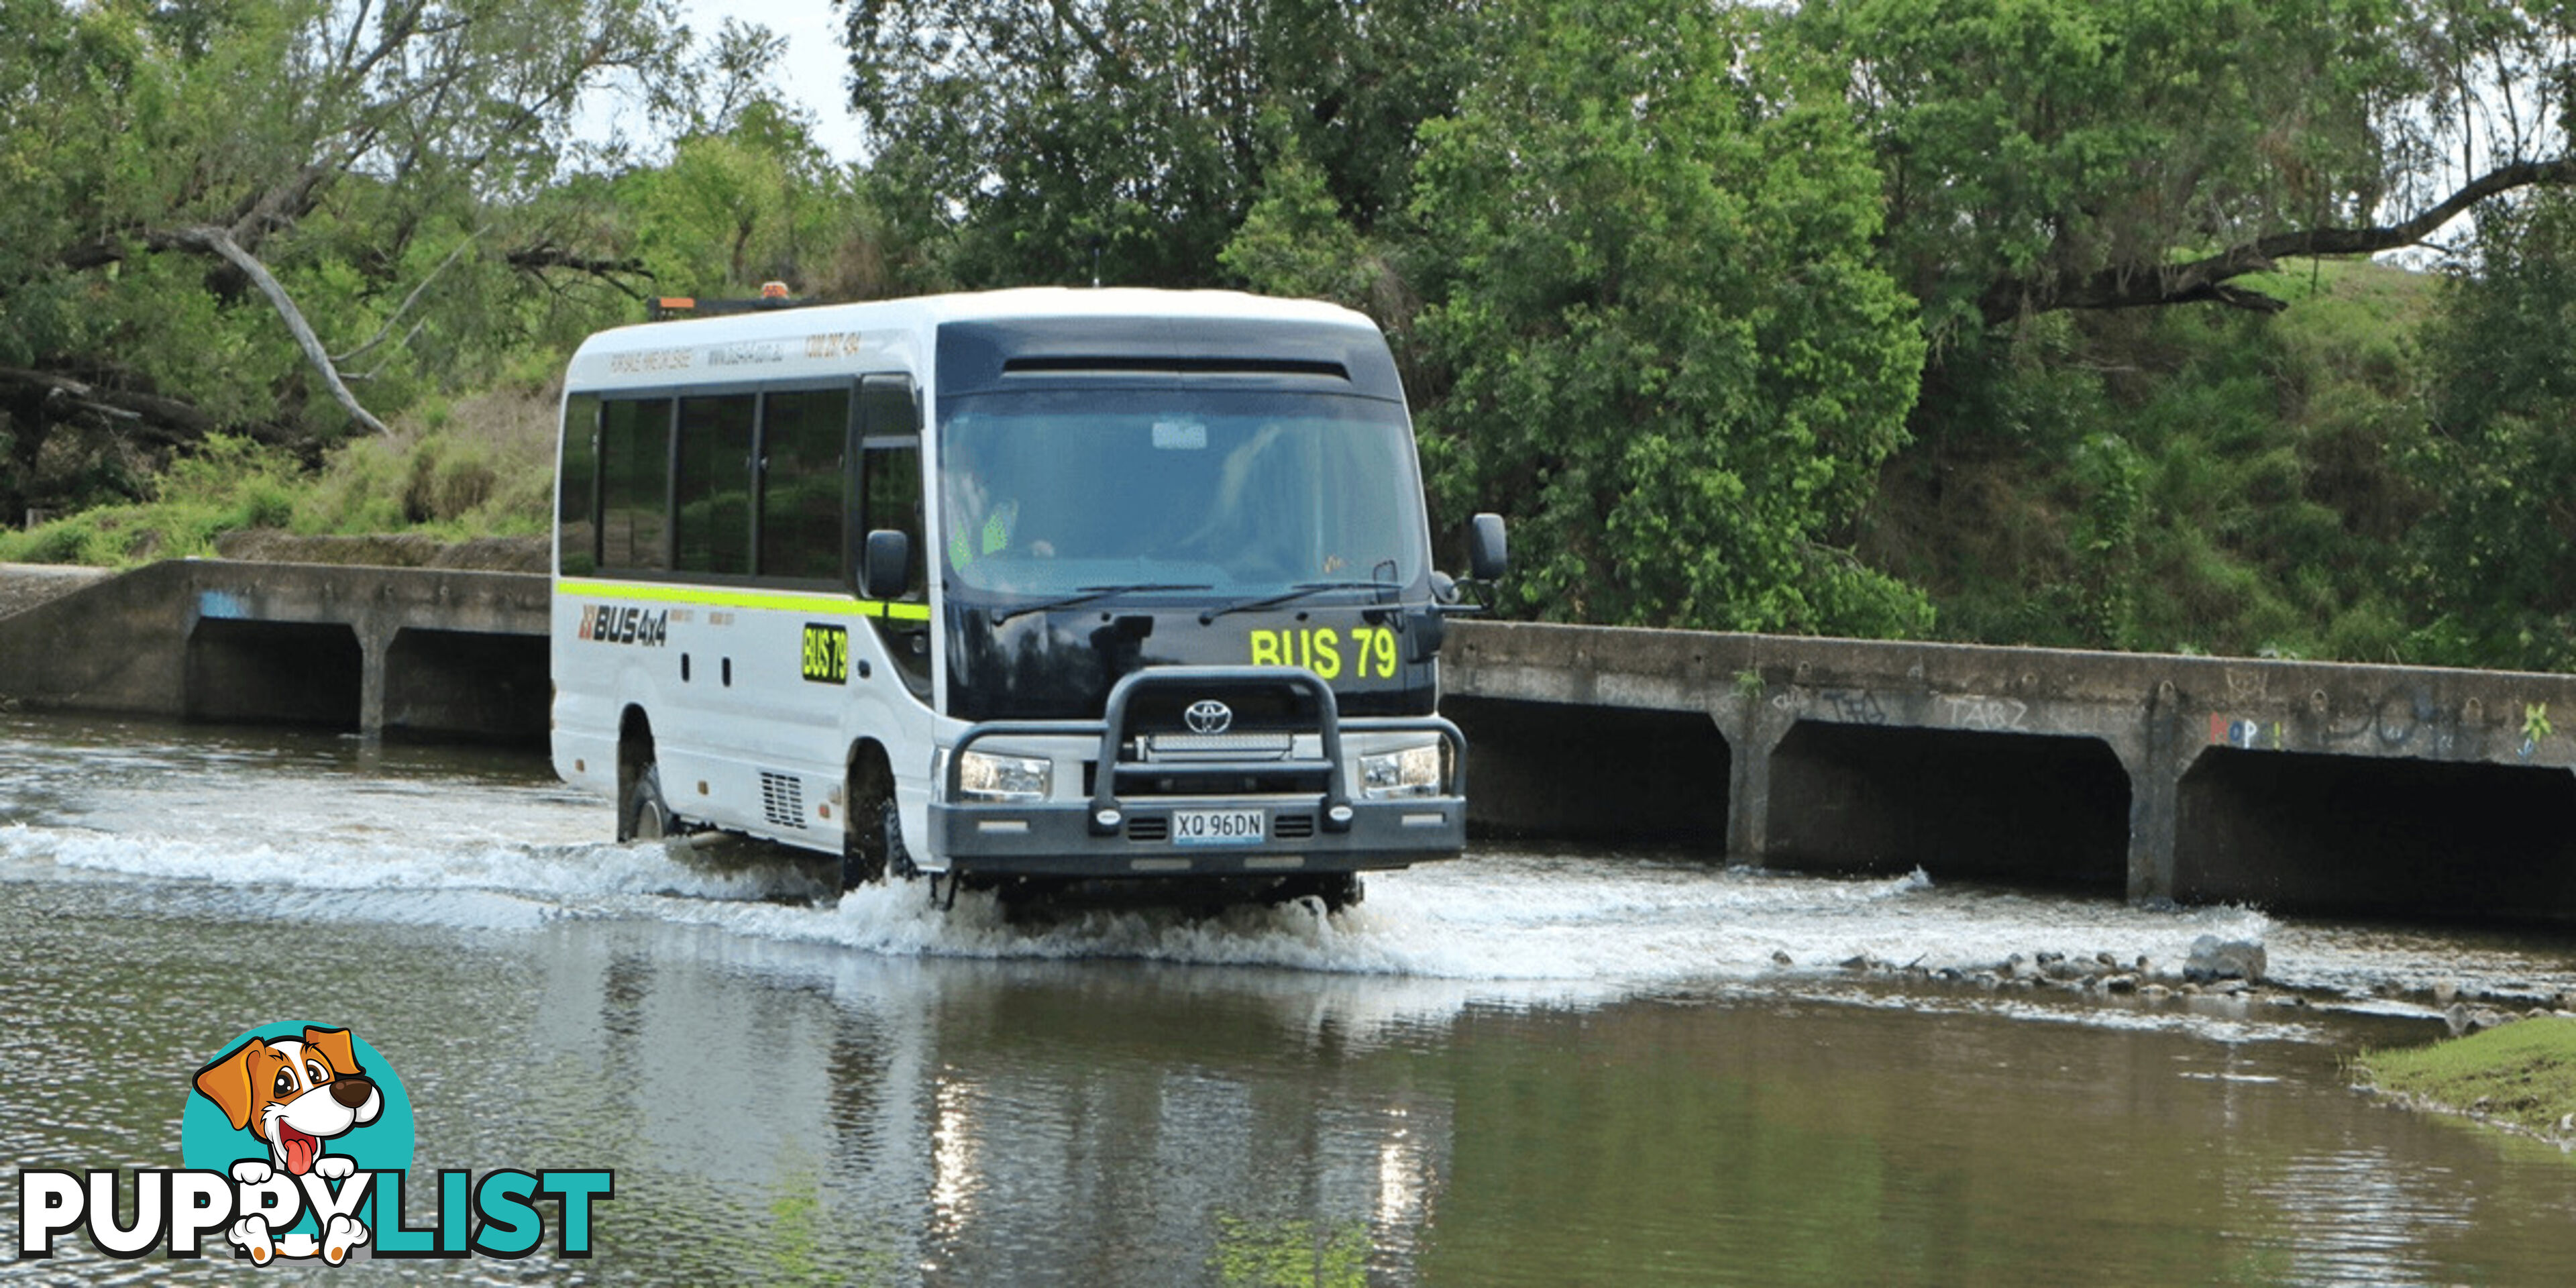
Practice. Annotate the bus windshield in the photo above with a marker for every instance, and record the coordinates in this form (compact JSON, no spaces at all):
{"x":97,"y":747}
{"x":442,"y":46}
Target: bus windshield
{"x":1062,"y":492}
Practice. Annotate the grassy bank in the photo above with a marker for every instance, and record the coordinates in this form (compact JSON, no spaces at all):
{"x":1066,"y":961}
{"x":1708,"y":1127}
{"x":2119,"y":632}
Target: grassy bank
{"x":2521,"y":1075}
{"x":2192,"y":480}
{"x":479,"y":467}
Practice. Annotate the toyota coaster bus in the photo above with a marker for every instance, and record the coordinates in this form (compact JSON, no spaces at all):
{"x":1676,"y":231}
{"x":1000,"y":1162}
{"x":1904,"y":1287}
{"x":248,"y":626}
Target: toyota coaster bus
{"x":1017,"y":589}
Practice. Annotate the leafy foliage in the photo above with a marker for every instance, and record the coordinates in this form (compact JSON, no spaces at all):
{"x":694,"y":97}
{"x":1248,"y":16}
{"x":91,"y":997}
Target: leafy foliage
{"x":2029,"y":144}
{"x":1812,"y":319}
{"x":378,"y":164}
{"x":2197,"y":480}
{"x":1044,"y":139}
{"x":1669,"y":355}
{"x":2497,"y":559}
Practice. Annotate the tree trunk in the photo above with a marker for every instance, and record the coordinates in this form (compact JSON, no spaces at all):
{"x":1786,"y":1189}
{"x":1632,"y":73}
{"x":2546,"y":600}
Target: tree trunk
{"x":29,"y":424}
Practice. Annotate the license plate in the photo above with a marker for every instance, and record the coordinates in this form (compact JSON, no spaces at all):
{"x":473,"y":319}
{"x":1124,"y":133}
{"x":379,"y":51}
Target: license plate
{"x":1218,"y":826}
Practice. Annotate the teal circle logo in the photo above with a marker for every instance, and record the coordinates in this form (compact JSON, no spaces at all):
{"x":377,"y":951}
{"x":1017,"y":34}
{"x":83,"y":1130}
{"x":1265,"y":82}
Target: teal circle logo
{"x":293,"y":1095}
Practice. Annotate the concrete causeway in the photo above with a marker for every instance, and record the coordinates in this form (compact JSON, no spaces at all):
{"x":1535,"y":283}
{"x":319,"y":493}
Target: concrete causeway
{"x":2297,"y":786}
{"x":434,"y":652}
{"x":2316,"y":786}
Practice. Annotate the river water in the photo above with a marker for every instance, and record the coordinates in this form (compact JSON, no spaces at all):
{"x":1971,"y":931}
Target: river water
{"x":1524,"y":1067}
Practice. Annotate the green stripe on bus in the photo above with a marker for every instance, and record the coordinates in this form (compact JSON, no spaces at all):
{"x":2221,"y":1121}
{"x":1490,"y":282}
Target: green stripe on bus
{"x":707,"y":597}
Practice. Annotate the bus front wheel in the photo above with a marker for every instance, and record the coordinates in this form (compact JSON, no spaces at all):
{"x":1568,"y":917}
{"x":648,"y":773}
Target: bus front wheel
{"x":898,"y":858}
{"x":872,"y":848}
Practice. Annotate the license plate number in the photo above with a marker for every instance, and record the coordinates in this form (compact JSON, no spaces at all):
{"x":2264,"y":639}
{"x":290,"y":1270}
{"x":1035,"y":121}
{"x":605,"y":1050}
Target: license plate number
{"x":1218,"y":826}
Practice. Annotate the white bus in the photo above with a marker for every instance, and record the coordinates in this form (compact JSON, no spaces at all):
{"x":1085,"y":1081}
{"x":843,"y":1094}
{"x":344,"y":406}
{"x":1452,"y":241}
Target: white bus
{"x":1016,"y":588}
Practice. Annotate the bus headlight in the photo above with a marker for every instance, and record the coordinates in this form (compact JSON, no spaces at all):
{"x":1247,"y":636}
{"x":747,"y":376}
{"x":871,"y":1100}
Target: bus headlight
{"x":1414,"y":771}
{"x":985,"y":776}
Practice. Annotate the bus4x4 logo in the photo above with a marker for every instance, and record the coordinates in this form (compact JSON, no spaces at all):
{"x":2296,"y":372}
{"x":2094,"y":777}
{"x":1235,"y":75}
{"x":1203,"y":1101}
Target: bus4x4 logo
{"x":296,"y":1142}
{"x":613,"y":625}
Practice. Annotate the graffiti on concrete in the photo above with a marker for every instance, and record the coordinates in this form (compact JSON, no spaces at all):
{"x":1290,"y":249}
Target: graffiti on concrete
{"x":2245,"y":687}
{"x":1850,"y":706}
{"x":1993,"y":715}
{"x":2244,"y":735}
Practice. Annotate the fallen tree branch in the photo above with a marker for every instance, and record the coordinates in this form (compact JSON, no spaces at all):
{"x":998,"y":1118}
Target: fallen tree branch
{"x":118,"y":404}
{"x":2123,"y":286}
{"x":220,"y":242}
{"x":411,"y":299}
{"x":546,"y":254}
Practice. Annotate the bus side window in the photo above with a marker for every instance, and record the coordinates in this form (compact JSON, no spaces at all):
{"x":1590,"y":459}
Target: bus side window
{"x":889,"y":425}
{"x":711,"y":510}
{"x":634,"y":483}
{"x":889,"y":428}
{"x":893,"y":473}
{"x":801,"y":440}
{"x":577,"y":501}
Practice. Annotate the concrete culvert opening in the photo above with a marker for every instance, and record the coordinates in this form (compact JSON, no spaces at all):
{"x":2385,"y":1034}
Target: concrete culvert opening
{"x":2292,"y":832}
{"x":302,"y":673}
{"x":466,"y":684}
{"x":1561,"y":772}
{"x":2024,"y":809}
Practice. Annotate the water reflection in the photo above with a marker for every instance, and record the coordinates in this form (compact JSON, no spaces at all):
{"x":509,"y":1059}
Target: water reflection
{"x":953,"y":1179}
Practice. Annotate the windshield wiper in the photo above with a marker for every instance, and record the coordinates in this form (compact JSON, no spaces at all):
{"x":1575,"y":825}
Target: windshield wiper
{"x":1086,"y":594}
{"x":1296,"y":592}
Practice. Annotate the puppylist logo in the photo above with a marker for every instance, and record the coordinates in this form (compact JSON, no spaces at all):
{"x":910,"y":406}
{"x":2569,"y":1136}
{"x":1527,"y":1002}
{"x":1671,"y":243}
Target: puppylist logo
{"x":296,"y":1142}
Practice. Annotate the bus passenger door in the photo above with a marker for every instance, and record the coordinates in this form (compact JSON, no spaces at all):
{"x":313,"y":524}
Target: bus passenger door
{"x":891,"y":499}
{"x":892,"y":706}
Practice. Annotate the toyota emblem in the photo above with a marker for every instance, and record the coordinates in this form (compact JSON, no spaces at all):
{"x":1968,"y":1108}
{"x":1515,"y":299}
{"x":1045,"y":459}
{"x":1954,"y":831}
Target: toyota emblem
{"x":1207,"y":715}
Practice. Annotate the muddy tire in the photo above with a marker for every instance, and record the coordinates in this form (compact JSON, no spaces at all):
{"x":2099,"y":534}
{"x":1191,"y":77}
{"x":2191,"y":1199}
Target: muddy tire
{"x":898,"y":858}
{"x":1341,"y":890}
{"x":863,"y":850}
{"x":872,"y":847}
{"x":644,"y":815}
{"x":1334,"y":890}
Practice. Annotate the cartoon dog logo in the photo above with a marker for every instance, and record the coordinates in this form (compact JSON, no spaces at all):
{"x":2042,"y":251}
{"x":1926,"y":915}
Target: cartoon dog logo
{"x":294,"y":1095}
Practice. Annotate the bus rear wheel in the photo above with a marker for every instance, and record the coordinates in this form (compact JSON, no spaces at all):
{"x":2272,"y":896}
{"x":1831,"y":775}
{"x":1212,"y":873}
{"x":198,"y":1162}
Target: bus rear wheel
{"x":644,"y":815}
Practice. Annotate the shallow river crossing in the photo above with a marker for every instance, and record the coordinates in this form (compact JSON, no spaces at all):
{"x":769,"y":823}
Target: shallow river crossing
{"x":1539,"y":1067}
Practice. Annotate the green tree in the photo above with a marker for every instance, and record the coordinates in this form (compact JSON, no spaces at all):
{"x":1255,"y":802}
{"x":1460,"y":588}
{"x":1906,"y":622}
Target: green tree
{"x":1662,"y":344}
{"x":239,"y":214}
{"x":2496,"y":559}
{"x":732,"y":209}
{"x":2062,"y":154}
{"x":1046,"y":137}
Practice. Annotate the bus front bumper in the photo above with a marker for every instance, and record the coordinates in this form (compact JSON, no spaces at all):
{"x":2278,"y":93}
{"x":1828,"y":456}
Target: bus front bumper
{"x":1061,"y":839}
{"x":1198,"y":832}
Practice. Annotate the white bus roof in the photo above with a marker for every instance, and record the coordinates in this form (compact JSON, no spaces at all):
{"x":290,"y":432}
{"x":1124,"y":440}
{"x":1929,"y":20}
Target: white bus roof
{"x":824,"y":339}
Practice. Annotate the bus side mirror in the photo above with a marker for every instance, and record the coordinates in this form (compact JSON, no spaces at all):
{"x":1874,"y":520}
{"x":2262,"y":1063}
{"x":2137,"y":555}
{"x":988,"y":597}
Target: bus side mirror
{"x":889,"y":558}
{"x":1489,"y":553}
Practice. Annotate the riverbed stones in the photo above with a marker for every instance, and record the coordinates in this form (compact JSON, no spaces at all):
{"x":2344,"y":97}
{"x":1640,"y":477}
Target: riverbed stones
{"x":2463,"y":1019}
{"x":2213,"y":958}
